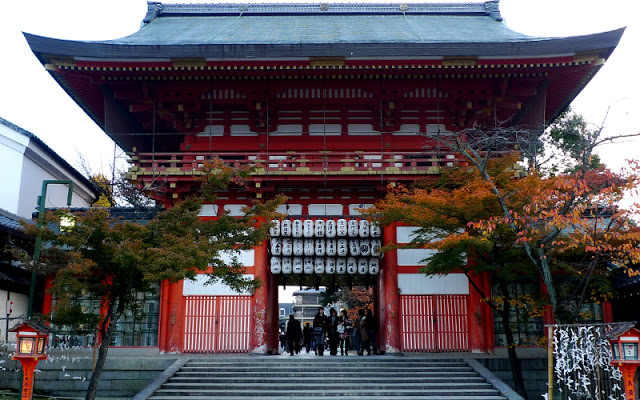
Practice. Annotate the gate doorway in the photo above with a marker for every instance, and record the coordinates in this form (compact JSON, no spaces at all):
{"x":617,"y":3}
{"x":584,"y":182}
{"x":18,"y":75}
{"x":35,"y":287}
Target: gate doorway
{"x":217,"y":324}
{"x":435,"y":323}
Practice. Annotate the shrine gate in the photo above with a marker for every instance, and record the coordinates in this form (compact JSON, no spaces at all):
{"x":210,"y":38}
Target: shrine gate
{"x":332,"y":103}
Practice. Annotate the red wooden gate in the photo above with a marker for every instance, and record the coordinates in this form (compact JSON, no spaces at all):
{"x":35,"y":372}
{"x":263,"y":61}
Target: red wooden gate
{"x":216,"y":324}
{"x":435,"y":323}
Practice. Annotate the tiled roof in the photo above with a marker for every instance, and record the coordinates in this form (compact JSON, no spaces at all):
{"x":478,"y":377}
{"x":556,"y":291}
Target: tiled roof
{"x":306,"y":30}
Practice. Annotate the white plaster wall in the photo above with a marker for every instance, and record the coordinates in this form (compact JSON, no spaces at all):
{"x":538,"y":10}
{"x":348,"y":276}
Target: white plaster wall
{"x":31,"y":187}
{"x":411,"y":257}
{"x":421,"y":284}
{"x":325,"y":209}
{"x":12,"y":147}
{"x":404,"y":234}
{"x":19,"y":307}
{"x":245,"y":257}
{"x":198,"y":287}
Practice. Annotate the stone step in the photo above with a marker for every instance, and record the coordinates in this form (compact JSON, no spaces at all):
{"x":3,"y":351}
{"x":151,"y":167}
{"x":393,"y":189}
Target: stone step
{"x":390,"y":392}
{"x":334,"y":379}
{"x":319,"y":368}
{"x":299,"y":386}
{"x":326,"y":379}
{"x":297,"y":396}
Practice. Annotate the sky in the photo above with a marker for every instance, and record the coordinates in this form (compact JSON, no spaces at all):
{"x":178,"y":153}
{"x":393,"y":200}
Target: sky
{"x":31,"y":99}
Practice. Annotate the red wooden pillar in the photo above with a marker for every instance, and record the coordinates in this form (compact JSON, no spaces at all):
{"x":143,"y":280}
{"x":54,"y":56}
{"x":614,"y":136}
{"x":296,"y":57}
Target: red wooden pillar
{"x":476,"y":312}
{"x":171,"y":336}
{"x":607,"y":312}
{"x":47,"y":302}
{"x":548,"y":317}
{"x":260,"y":302}
{"x":390,"y":338}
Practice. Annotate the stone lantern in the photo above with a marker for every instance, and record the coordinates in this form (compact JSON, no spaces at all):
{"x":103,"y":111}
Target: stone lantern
{"x":32,"y":338}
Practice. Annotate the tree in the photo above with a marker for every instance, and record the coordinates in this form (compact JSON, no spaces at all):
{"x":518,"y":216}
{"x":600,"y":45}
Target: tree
{"x":500,"y":218}
{"x":442,"y":210}
{"x":540,"y":208}
{"x":116,"y":259}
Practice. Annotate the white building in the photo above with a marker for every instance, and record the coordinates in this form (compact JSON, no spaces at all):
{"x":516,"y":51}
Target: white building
{"x":25,"y":162}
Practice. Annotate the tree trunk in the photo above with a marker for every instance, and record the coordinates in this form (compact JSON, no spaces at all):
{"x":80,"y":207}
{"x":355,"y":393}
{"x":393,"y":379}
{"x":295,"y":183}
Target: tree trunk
{"x":516,"y":370}
{"x":107,"y":333}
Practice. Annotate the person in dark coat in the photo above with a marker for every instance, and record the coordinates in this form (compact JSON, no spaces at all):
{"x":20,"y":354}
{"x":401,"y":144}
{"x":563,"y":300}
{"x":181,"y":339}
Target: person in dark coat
{"x":371,"y":324}
{"x":320,"y":330}
{"x":345,"y":335}
{"x":332,"y":331}
{"x":307,"y":334}
{"x":361,"y":332}
{"x":294,"y":332}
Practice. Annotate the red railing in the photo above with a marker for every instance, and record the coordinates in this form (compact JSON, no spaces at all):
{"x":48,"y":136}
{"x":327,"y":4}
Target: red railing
{"x":300,"y":162}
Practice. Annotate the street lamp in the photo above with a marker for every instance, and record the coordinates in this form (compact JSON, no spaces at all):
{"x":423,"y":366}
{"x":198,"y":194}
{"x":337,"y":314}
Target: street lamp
{"x":31,"y":347}
{"x":36,"y":251}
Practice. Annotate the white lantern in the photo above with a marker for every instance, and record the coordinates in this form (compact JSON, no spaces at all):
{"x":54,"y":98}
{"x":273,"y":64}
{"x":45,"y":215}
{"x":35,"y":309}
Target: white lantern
{"x":319,"y":228}
{"x":374,"y":266}
{"x":341,"y":265}
{"x":330,"y":266}
{"x":341,"y":227}
{"x":375,"y":247}
{"x":285,"y":227}
{"x":276,"y":265}
{"x":287,"y":265}
{"x":298,"y":247}
{"x":320,"y":247}
{"x":354,"y":247}
{"x":363,"y":266}
{"x":309,"y":247}
{"x":352,"y":229}
{"x":363,"y":228}
{"x":307,"y":228}
{"x":331,"y":247}
{"x":343,"y":248}
{"x":352,"y":265}
{"x":297,"y":265}
{"x":374,"y":230}
{"x":307,"y":265}
{"x":330,"y":228}
{"x":365,"y":247}
{"x":274,"y":229}
{"x":296,"y":229}
{"x":276,"y":246}
{"x":287,"y":247}
{"x":318,"y":265}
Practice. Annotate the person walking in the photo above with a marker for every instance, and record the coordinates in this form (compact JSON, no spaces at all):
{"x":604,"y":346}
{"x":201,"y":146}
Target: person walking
{"x":361,"y":332}
{"x":345,"y":333}
{"x":307,"y":334}
{"x":320,"y":330}
{"x":293,"y":335}
{"x":333,"y":322}
{"x":371,"y":325}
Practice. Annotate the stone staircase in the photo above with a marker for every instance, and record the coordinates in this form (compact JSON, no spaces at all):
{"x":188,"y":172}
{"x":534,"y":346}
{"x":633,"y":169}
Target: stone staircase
{"x":328,"y":378}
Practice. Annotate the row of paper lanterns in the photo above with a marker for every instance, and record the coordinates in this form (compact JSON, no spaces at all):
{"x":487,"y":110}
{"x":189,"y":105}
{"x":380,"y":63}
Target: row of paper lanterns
{"x":325,"y":265}
{"x":325,"y":247}
{"x":319,"y":228}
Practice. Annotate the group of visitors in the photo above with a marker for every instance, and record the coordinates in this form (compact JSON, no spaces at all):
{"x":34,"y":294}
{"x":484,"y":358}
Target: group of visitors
{"x":331,"y":332}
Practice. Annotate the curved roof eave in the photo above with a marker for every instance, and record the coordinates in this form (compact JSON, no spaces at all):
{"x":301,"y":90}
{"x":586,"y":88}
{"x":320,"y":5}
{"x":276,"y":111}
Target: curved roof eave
{"x":46,"y":48}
